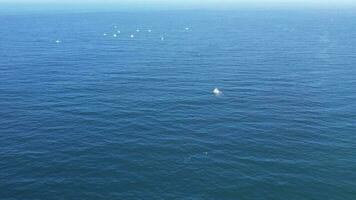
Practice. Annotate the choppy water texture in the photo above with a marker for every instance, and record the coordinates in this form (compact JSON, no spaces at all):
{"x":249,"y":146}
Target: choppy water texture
{"x":97,"y":117}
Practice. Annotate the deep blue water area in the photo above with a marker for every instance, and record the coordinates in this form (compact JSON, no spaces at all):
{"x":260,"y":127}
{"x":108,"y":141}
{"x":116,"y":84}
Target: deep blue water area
{"x":87,"y":115}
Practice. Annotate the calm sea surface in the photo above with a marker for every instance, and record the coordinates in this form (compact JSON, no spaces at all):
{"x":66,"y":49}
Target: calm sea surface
{"x":89,"y":116}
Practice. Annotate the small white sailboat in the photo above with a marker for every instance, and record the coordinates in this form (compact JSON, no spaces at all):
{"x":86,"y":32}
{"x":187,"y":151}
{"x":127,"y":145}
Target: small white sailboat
{"x":217,"y":92}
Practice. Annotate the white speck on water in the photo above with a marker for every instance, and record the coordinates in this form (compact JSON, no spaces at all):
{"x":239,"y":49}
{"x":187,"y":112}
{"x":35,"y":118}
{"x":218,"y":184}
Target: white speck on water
{"x":58,"y":41}
{"x":138,"y":30}
{"x":149,"y":30}
{"x":104,"y":34}
{"x":187,"y":28}
{"x":118,"y":31}
{"x":217,"y":92}
{"x":132,"y":36}
{"x":162,"y":38}
{"x":114,"y":35}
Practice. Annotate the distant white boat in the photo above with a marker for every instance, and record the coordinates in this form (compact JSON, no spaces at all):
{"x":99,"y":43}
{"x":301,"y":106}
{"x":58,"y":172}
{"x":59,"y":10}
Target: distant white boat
{"x":114,"y":35}
{"x":58,"y":41}
{"x":138,"y":30}
{"x":104,"y":34}
{"x":162,"y":38}
{"x":187,"y":28}
{"x":216,"y":92}
{"x":118,"y":31}
{"x":132,"y":36}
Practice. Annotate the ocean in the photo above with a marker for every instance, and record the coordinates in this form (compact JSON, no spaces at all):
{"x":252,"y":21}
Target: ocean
{"x":87,"y":115}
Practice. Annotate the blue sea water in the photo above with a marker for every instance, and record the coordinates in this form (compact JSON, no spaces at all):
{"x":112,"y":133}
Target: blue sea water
{"x":98,"y":117}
